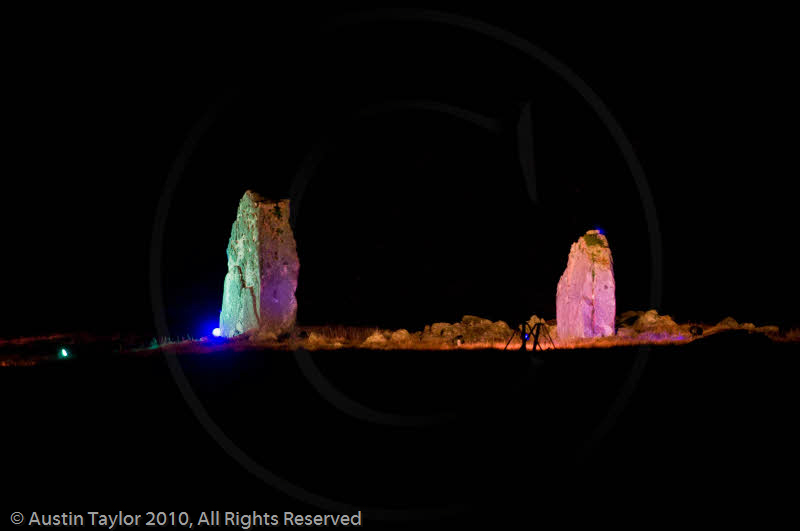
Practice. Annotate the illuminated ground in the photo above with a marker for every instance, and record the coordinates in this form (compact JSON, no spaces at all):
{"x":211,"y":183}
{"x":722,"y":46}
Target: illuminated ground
{"x":661,"y":330}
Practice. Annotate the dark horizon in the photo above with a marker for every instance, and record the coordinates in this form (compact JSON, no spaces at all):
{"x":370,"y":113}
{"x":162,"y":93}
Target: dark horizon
{"x":416,"y":208}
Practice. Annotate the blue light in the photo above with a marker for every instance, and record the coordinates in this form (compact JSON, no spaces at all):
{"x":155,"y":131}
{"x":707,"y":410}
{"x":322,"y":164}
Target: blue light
{"x":527,"y":336}
{"x":216,"y":332}
{"x":598,"y":229}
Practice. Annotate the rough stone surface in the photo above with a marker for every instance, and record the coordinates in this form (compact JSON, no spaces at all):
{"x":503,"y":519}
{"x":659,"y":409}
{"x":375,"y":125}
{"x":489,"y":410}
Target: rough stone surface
{"x":262,"y":269}
{"x":651,"y":322}
{"x":376,"y":339}
{"x":471,"y":329}
{"x":728,"y":322}
{"x":401,"y":336}
{"x":585,"y":298}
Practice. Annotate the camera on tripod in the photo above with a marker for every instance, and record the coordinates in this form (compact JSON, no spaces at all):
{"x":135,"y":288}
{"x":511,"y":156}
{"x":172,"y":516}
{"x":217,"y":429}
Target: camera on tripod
{"x":533,"y":333}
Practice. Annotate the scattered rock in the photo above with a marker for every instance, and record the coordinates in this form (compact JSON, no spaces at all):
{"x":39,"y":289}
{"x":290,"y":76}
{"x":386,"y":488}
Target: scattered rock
{"x":376,"y":339}
{"x":626,"y":332}
{"x":471,"y":329}
{"x":259,"y":289}
{"x":535,"y":319}
{"x":401,"y":336}
{"x":264,"y":335}
{"x":585,"y":298}
{"x":472,"y":320}
{"x":651,"y":322}
{"x":316,"y":340}
{"x":437,"y":329}
{"x":728,"y":322}
{"x":769,"y":329}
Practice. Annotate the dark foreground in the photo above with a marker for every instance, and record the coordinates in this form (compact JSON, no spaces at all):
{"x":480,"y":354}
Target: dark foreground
{"x":412,"y":439}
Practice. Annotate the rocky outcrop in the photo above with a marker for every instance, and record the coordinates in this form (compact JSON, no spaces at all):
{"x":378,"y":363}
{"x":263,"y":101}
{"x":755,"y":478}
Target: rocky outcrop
{"x":262,"y":270}
{"x":471,"y":329}
{"x":651,"y":322}
{"x":375,"y":339}
{"x":728,"y":322}
{"x":400,"y":336}
{"x":585,"y":298}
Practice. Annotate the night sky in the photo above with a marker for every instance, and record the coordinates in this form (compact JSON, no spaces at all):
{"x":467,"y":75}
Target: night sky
{"x":399,"y":143}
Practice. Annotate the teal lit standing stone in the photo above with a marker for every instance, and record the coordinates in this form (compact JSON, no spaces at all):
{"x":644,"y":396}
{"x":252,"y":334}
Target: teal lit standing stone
{"x":259,"y":289}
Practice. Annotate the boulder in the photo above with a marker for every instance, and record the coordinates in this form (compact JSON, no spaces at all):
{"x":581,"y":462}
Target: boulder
{"x":401,"y":336}
{"x":728,"y":322}
{"x":769,"y":329}
{"x":651,"y":322}
{"x":471,"y":329}
{"x":262,"y":336}
{"x":438,"y":329}
{"x":534,"y":320}
{"x":472,"y":320}
{"x":376,"y":339}
{"x":585,"y":297}
{"x":315,"y":340}
{"x":259,"y":288}
{"x":484,"y":331}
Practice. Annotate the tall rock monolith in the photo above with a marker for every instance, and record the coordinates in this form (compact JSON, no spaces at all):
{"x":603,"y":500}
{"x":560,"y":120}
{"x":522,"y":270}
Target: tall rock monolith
{"x":262,"y":269}
{"x":585,"y":298}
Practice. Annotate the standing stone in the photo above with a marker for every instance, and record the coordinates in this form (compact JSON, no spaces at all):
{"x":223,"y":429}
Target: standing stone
{"x":585,"y":299}
{"x":262,"y":269}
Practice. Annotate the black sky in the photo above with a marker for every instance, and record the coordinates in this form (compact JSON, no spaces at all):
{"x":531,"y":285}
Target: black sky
{"x":410,"y":215}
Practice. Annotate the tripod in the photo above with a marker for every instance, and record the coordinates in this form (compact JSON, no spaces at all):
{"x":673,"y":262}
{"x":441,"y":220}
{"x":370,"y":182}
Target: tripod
{"x":525,"y":330}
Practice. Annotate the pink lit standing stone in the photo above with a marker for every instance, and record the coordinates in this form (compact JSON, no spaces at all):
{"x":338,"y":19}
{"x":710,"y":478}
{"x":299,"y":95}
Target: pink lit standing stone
{"x":585,"y":298}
